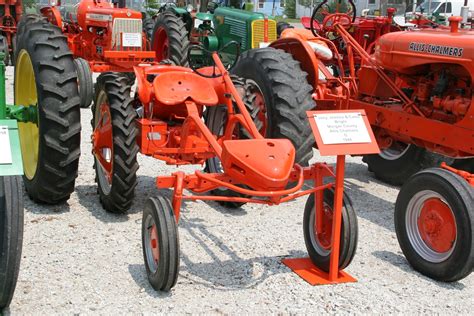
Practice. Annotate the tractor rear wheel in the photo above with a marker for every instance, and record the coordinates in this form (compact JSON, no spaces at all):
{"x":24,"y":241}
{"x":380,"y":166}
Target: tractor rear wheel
{"x":160,"y":243}
{"x":396,"y":164}
{"x":170,"y":39}
{"x":84,"y":79}
{"x":148,"y":26}
{"x":317,"y":243}
{"x":434,"y":222}
{"x":11,"y":236}
{"x":282,"y":95}
{"x":114,"y":142}
{"x":45,"y":78}
{"x":4,"y":49}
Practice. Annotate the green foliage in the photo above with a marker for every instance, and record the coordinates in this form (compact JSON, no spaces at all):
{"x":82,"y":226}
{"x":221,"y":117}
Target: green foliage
{"x":290,"y":9}
{"x":249,"y":6}
{"x":29,"y":3}
{"x":151,"y":6}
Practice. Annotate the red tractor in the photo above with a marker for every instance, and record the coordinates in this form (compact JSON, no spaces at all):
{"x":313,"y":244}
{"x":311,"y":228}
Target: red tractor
{"x":102,"y":35}
{"x":10,"y":14}
{"x":417,"y":92}
{"x":204,"y":116}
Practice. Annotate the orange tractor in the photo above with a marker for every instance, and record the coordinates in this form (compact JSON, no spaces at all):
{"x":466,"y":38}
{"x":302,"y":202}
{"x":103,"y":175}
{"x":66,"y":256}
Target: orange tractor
{"x":102,"y":35}
{"x":10,"y":14}
{"x":165,"y":119}
{"x":417,"y":92}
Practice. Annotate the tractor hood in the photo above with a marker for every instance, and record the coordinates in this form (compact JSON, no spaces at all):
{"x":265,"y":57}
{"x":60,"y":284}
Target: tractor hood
{"x":406,"y":51}
{"x":102,"y":13}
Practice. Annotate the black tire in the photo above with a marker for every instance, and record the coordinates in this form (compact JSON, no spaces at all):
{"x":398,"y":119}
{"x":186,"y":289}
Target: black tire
{"x":349,"y":232}
{"x":148,"y":26}
{"x":164,"y":273}
{"x":12,"y":54}
{"x":281,"y":26}
{"x":5,"y":50}
{"x":455,"y":263}
{"x":43,"y":51}
{"x":84,"y":79}
{"x":25,"y":20}
{"x":464,"y":164}
{"x":177,"y":38}
{"x":117,"y":196}
{"x":215,"y":119}
{"x":397,"y":168}
{"x":287,"y":96}
{"x":11,"y":236}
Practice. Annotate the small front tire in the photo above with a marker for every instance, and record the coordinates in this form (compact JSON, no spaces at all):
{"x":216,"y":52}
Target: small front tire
{"x":160,"y":243}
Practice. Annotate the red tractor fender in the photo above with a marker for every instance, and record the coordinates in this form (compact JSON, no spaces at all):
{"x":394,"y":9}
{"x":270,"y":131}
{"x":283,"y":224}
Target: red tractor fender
{"x":144,"y":88}
{"x":53,"y":15}
{"x":302,"y":52}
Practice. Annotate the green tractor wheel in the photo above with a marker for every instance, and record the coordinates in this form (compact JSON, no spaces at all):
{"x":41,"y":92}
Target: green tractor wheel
{"x":11,"y":236}
{"x":46,"y":81}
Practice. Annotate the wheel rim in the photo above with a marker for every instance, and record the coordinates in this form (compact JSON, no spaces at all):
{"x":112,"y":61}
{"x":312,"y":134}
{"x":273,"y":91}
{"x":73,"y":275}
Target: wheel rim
{"x":258,"y":103}
{"x":395,"y":151}
{"x":152,"y":245}
{"x":102,"y":142}
{"x":161,"y":44}
{"x":321,"y":241}
{"x":26,"y":95}
{"x":431,"y":226}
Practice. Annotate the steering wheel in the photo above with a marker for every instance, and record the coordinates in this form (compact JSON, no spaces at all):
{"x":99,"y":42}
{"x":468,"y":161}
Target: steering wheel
{"x":209,"y":53}
{"x":326,"y":15}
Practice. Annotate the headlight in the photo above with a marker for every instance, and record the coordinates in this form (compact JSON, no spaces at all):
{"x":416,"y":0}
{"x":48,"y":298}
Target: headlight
{"x":189,"y":8}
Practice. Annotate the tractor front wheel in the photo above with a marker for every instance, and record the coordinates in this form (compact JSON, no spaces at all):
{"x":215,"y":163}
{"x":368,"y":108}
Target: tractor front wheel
{"x":280,"y":96}
{"x":160,"y":242}
{"x":170,"y":39}
{"x":114,"y":142}
{"x":46,"y":81}
{"x":84,"y":80}
{"x":434,"y":222}
{"x":318,"y":243}
{"x":11,"y":236}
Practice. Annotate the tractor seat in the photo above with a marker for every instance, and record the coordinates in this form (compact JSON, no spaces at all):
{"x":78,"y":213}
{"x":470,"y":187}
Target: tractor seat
{"x":173,"y":88}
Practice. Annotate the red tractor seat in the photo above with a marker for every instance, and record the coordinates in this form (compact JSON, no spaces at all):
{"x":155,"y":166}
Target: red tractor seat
{"x":173,"y":88}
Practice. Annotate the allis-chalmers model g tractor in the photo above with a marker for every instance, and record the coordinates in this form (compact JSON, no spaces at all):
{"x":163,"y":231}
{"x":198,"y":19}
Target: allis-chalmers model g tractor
{"x":204,"y":116}
{"x":10,"y":14}
{"x":102,"y":35}
{"x":417,"y":92}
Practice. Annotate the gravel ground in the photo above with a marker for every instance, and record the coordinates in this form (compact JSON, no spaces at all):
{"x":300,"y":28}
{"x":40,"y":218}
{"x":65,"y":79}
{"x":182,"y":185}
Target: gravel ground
{"x":79,"y":259}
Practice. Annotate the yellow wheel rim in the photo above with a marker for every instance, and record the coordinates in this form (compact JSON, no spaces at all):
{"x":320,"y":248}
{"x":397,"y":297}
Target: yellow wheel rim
{"x":25,"y":94}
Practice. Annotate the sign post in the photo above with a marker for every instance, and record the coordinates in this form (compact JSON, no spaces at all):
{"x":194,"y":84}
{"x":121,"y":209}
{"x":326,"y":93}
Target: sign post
{"x":339,"y":133}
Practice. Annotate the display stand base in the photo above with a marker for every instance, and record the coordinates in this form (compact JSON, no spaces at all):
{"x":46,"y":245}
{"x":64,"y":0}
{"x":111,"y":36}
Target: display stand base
{"x":305,"y":268}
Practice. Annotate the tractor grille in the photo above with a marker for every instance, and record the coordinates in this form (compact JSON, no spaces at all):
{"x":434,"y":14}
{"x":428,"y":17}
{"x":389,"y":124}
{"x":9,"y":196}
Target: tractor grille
{"x":258,"y":36}
{"x":237,"y":28}
{"x":123,"y":25}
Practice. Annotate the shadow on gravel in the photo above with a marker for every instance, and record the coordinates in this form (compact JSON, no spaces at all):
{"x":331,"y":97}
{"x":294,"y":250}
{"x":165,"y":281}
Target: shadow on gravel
{"x":400,"y":262}
{"x":138,"y":273}
{"x":45,"y":209}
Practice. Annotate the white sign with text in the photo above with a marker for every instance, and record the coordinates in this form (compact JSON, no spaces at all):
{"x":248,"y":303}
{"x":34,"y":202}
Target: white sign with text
{"x":5,"y":149}
{"x":131,"y":39}
{"x":342,"y":128}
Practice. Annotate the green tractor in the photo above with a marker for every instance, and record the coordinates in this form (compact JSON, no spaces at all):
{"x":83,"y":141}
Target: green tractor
{"x":11,"y":196}
{"x":39,"y":136}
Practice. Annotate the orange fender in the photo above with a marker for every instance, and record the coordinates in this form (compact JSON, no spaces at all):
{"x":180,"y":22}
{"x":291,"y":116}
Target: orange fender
{"x":53,"y":15}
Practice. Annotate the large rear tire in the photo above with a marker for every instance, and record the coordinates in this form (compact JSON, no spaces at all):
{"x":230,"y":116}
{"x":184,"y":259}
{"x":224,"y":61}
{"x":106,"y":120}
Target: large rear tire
{"x":170,"y":39}
{"x":114,"y":142}
{"x":399,"y":162}
{"x":11,"y":236}
{"x":434,"y":222}
{"x":45,"y":77}
{"x":282,"y":86}
{"x":148,"y":26}
{"x":4,"y":49}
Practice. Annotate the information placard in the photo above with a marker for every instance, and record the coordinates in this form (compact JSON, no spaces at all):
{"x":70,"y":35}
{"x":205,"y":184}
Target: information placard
{"x":342,"y":128}
{"x":342,"y":132}
{"x":5,"y":149}
{"x":131,"y":39}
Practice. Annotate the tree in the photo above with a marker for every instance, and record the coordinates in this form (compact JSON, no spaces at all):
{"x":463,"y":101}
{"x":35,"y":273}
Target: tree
{"x":290,"y":9}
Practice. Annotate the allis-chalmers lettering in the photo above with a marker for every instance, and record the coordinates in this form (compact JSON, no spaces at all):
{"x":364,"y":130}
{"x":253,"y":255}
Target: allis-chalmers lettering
{"x":436,"y":49}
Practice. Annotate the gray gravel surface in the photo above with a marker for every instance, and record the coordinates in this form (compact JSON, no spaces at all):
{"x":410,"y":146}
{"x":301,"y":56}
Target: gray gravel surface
{"x":79,"y":259}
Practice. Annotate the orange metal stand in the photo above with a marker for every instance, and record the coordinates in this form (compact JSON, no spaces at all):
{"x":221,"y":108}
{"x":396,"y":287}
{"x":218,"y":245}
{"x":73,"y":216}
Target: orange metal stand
{"x":303,"y":266}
